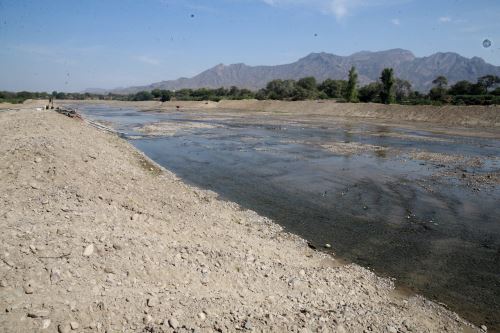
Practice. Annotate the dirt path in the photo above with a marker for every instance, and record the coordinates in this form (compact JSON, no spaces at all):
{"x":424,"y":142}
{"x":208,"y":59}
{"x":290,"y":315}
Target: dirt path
{"x":96,"y":238}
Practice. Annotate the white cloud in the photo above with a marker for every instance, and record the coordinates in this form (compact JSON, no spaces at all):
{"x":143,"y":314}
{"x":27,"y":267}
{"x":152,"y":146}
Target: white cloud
{"x":338,"y":8}
{"x":396,"y":21}
{"x":148,"y":60}
{"x":445,"y":19}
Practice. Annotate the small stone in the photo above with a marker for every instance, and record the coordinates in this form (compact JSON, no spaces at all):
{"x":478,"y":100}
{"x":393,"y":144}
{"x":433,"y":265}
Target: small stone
{"x":173,"y":323}
{"x":43,"y":313}
{"x":64,"y":328}
{"x":55,"y":276}
{"x":484,"y":328}
{"x":34,"y":186}
{"x":45,"y":323}
{"x":302,"y":272}
{"x":202,"y":316}
{"x":147,"y":319}
{"x":391,"y":329}
{"x":407,"y":324}
{"x":294,"y":282}
{"x":88,"y":250}
{"x":3,"y":284}
{"x":28,"y":289}
{"x":117,"y":246}
{"x":109,"y":270}
{"x":152,"y":302}
{"x":328,"y":246}
{"x":341,"y":329}
{"x":248,"y":325}
{"x":74,"y":325}
{"x":38,"y":159}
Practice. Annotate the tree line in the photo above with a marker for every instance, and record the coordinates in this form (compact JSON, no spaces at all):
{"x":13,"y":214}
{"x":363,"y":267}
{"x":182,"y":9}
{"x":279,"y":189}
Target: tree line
{"x":388,"y":89}
{"x":21,"y":96}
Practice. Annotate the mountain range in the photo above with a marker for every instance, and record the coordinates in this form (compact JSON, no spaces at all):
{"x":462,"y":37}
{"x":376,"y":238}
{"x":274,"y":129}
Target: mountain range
{"x":419,"y":71}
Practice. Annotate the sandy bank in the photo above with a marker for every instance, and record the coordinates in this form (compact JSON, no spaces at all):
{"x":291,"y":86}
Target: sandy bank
{"x":96,"y":237}
{"x":487,"y":116}
{"x":30,"y":103}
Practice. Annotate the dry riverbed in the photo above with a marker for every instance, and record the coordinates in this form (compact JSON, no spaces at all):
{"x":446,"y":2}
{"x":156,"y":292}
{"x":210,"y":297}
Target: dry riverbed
{"x":96,"y":238}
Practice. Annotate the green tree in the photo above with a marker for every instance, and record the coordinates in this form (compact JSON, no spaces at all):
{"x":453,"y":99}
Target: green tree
{"x":233,"y":92}
{"x":402,"y":90}
{"x":370,"y":92}
{"x":388,"y":81}
{"x":305,"y":88}
{"x":280,"y":89}
{"x":440,"y":82}
{"x":351,"y":93}
{"x":488,"y":81}
{"x":24,"y":95}
{"x":184,"y":94}
{"x":262,"y":94}
{"x":165,"y":95}
{"x":308,"y":83}
{"x":461,"y":88}
{"x":221,"y":92}
{"x":204,"y":94}
{"x":156,"y":93}
{"x":438,"y":92}
{"x":496,"y":91}
{"x":143,"y":96}
{"x":246,"y":94}
{"x":300,"y":94}
{"x":333,"y":88}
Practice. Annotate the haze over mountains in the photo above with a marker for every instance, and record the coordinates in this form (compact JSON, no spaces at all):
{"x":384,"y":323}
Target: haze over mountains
{"x":419,"y":71}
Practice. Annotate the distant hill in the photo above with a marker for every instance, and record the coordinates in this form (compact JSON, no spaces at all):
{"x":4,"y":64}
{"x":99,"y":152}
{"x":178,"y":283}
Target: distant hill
{"x":419,"y":71}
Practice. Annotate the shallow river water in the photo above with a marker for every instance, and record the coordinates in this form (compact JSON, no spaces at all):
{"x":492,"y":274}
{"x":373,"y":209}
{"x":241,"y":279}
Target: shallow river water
{"x":424,"y":221}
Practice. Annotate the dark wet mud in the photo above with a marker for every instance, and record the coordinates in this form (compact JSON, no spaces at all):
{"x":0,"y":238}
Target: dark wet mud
{"x":416,"y":204}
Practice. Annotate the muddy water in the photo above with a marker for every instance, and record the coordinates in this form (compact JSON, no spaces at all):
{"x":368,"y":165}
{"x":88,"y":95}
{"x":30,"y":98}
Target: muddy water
{"x":424,"y":222}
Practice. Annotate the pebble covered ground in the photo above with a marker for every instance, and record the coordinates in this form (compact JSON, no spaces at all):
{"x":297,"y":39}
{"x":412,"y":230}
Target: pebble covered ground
{"x":96,"y":238}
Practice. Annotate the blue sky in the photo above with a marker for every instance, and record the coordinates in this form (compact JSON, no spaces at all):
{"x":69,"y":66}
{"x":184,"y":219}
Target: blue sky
{"x":70,"y":45}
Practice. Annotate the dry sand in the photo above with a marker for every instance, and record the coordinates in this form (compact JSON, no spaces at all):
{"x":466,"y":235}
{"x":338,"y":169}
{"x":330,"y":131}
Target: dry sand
{"x":97,"y":238}
{"x":351,"y":148}
{"x":171,"y":128}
